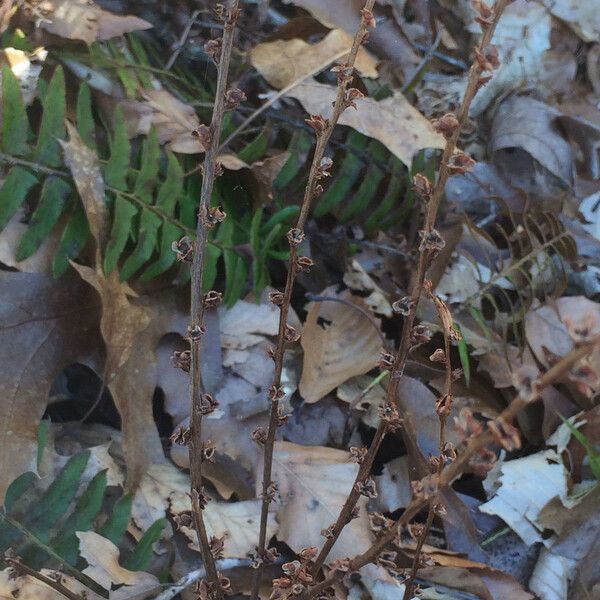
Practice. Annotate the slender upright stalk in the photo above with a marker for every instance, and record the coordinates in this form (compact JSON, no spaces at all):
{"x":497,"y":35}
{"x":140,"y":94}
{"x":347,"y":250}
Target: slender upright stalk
{"x":408,"y":306}
{"x":323,"y":128}
{"x":199,"y":403}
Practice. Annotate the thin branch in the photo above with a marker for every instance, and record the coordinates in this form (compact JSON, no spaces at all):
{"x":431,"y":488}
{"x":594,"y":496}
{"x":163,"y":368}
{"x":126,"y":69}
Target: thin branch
{"x":200,"y":404}
{"x":182,"y":40}
{"x":430,"y":245}
{"x":323,"y":128}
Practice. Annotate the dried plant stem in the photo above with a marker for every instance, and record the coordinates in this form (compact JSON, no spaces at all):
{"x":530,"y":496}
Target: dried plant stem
{"x":197,"y":304}
{"x":295,"y":237}
{"x":456,"y":468}
{"x":425,"y":257}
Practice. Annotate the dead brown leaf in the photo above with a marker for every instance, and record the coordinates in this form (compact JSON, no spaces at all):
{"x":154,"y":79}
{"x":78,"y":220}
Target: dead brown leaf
{"x":393,"y":121}
{"x":283,"y":62}
{"x":314,"y":483}
{"x":45,"y":325}
{"x":345,"y":345}
{"x":103,"y":567}
{"x":85,"y":20}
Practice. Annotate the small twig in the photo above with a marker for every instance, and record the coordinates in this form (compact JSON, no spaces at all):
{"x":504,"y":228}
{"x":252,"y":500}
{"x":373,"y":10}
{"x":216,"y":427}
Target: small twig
{"x":456,"y":468}
{"x":182,"y":40}
{"x":318,"y":170}
{"x":200,"y":404}
{"x":55,"y":584}
{"x":410,"y":81}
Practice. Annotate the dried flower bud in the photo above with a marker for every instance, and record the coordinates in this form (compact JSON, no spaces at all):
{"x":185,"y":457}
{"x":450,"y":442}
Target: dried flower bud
{"x":204,"y":135}
{"x":318,"y":190}
{"x":318,"y":123}
{"x":357,"y":455}
{"x":259,"y":435}
{"x":207,"y":451}
{"x":379,"y":523}
{"x":211,"y":216}
{"x":233,"y":98}
{"x":181,"y":436}
{"x":329,"y":532}
{"x":272,"y":352}
{"x":219,"y":169}
{"x":386,"y":361}
{"x":308,"y":554}
{"x":351,"y":96}
{"x":183,"y":519}
{"x":438,"y":356}
{"x":447,"y":125}
{"x":272,"y":491}
{"x":217,"y":545}
{"x":304,"y":264}
{"x":366,"y":488}
{"x":449,"y":452}
{"x":213,"y":49}
{"x":390,"y":415}
{"x":281,"y":418}
{"x":435,"y":463}
{"x":443,"y":406}
{"x":456,"y":374}
{"x":275,"y":393}
{"x":184,"y":249}
{"x":485,"y":18}
{"x":467,"y":425}
{"x":422,"y":187}
{"x":271,"y":556}
{"x":340,"y":567}
{"x":199,"y":498}
{"x":323,"y":168}
{"x":298,"y":589}
{"x":506,"y":435}
{"x":460,"y":163}
{"x":368,"y":18}
{"x":291,"y":334}
{"x":344,"y":73}
{"x":482,"y":80}
{"x":295,"y":236}
{"x":404,"y":306}
{"x":431,"y":241}
{"x":291,"y":568}
{"x":488,"y":59}
{"x":182,"y":360}
{"x":212,"y":299}
{"x":195,"y":332}
{"x":207,"y":404}
{"x":420,"y":334}
{"x":277,"y":298}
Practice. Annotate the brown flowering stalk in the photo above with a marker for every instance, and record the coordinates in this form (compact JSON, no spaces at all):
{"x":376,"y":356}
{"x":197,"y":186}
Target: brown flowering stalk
{"x":323,"y":127}
{"x":499,"y":430}
{"x":450,"y":126}
{"x":202,"y":403}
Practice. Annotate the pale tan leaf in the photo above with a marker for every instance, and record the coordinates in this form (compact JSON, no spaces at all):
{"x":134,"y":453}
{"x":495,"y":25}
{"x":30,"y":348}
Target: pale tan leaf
{"x":358,"y":280}
{"x":345,"y":345}
{"x":392,"y":121}
{"x":85,"y":20}
{"x":174,"y":121}
{"x":103,"y":567}
{"x":314,"y":482}
{"x":27,"y":67}
{"x":581,"y":15}
{"x":84,"y":165}
{"x":246,"y":323}
{"x":284,"y":61}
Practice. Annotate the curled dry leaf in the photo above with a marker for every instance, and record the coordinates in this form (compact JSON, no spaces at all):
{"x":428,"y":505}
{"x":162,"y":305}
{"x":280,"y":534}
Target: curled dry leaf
{"x":358,"y":280}
{"x":85,"y":20}
{"x":339,"y":342}
{"x":174,"y":121}
{"x":103,"y":567}
{"x":392,"y":121}
{"x":314,"y":482}
{"x":283,"y":62}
